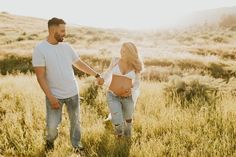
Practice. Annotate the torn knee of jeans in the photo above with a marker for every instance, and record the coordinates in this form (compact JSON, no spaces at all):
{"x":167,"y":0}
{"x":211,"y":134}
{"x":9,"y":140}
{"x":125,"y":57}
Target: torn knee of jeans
{"x":117,"y":124}
{"x":128,"y":120}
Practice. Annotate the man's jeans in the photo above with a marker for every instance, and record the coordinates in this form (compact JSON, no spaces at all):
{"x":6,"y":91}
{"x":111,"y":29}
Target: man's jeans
{"x":54,"y":117}
{"x":121,"y":109}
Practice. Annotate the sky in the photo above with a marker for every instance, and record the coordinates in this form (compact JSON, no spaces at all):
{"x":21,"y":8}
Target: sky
{"x":128,"y":14}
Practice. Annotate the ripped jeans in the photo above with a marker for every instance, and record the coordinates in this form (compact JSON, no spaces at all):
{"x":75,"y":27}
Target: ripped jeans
{"x":54,"y":117}
{"x":121,"y":109}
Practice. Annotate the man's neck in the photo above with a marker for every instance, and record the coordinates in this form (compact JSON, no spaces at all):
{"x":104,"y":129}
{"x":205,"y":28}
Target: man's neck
{"x":52,"y":40}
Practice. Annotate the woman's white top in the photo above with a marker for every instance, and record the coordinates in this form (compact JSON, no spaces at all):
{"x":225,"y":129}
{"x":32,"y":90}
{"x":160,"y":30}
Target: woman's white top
{"x":114,"y":69}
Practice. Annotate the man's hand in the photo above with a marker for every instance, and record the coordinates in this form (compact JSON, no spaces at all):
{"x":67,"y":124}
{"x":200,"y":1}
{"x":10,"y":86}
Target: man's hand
{"x":100,"y":81}
{"x":54,"y":103}
{"x":41,"y":73}
{"x":126,"y":93}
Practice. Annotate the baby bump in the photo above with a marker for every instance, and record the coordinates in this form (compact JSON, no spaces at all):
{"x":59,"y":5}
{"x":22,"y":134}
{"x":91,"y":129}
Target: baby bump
{"x":120,"y":84}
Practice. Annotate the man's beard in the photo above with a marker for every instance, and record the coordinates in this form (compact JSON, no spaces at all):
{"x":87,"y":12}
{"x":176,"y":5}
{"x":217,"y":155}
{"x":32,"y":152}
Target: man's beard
{"x":58,"y":38}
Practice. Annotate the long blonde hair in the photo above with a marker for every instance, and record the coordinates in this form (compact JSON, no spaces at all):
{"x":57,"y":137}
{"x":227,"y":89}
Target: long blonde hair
{"x":132,"y":56}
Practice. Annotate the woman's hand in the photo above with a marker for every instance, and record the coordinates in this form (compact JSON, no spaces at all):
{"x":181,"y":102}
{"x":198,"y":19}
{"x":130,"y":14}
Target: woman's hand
{"x":126,"y":93}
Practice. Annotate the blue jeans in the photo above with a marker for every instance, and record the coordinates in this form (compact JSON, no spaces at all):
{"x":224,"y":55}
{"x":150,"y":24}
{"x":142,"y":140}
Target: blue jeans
{"x":121,"y":109}
{"x":54,"y":117}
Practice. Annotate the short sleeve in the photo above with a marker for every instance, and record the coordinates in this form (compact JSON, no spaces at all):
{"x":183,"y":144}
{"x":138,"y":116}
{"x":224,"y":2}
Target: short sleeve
{"x":38,"y":59}
{"x":74,"y":54}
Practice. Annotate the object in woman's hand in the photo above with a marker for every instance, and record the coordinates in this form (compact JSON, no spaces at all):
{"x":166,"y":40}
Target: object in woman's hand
{"x":120,"y":84}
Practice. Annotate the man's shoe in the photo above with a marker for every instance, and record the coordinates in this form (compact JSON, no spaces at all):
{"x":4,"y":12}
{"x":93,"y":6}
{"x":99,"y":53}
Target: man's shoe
{"x":49,"y":146}
{"x":78,"y":148}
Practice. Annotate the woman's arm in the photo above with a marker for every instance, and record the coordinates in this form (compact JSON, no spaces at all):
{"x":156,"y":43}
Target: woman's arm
{"x":134,"y":91}
{"x":108,"y":73}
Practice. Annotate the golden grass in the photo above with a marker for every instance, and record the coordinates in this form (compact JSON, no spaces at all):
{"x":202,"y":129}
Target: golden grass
{"x":158,"y":130}
{"x":186,"y":73}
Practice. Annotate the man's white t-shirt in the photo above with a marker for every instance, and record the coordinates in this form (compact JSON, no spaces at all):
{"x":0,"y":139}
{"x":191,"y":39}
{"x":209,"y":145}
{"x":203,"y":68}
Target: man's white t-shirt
{"x":58,"y":61}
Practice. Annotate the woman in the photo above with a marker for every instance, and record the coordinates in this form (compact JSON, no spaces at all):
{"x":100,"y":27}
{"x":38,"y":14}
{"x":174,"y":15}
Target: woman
{"x":123,"y":79}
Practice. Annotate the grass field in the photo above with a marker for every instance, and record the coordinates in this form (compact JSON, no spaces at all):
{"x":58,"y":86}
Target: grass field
{"x":187,"y":102}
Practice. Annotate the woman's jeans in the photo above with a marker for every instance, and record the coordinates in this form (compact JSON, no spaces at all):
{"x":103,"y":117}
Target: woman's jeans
{"x":121,"y":109}
{"x":54,"y":117}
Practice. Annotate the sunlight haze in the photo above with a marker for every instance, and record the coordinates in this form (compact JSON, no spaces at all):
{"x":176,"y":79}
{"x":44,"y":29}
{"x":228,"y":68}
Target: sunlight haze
{"x":130,"y":14}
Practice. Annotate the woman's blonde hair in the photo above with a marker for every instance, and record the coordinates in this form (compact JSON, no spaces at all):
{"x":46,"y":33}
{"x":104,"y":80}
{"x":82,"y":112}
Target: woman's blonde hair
{"x":132,"y":56}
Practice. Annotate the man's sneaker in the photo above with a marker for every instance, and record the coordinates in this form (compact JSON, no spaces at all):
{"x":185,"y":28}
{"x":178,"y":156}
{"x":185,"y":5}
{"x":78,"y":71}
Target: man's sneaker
{"x":78,"y":148}
{"x":49,"y":146}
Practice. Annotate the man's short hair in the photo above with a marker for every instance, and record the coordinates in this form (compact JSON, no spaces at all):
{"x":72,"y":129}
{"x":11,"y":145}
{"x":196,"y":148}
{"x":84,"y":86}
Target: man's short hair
{"x":55,"y":22}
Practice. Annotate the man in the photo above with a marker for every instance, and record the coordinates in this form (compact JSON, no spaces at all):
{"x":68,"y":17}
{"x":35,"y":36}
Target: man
{"x":52,"y":61}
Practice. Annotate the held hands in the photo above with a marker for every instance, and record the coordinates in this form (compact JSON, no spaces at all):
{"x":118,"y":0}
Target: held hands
{"x":54,"y":103}
{"x":100,"y":81}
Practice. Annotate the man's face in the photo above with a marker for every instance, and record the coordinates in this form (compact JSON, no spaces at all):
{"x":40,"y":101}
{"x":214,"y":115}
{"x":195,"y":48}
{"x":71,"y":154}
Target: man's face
{"x":60,"y":32}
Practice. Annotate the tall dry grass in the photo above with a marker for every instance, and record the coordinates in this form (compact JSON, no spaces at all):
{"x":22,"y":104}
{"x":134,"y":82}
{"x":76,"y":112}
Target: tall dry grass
{"x":186,"y":106}
{"x":159,"y":130}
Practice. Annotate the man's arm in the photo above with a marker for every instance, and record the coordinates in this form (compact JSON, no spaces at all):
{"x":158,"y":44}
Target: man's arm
{"x":81,"y":65}
{"x":40,"y":73}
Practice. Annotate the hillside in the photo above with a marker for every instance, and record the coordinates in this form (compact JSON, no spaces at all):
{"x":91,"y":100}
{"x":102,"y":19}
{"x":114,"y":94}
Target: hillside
{"x":186,"y":106}
{"x":190,"y":50}
{"x":208,"y":17}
